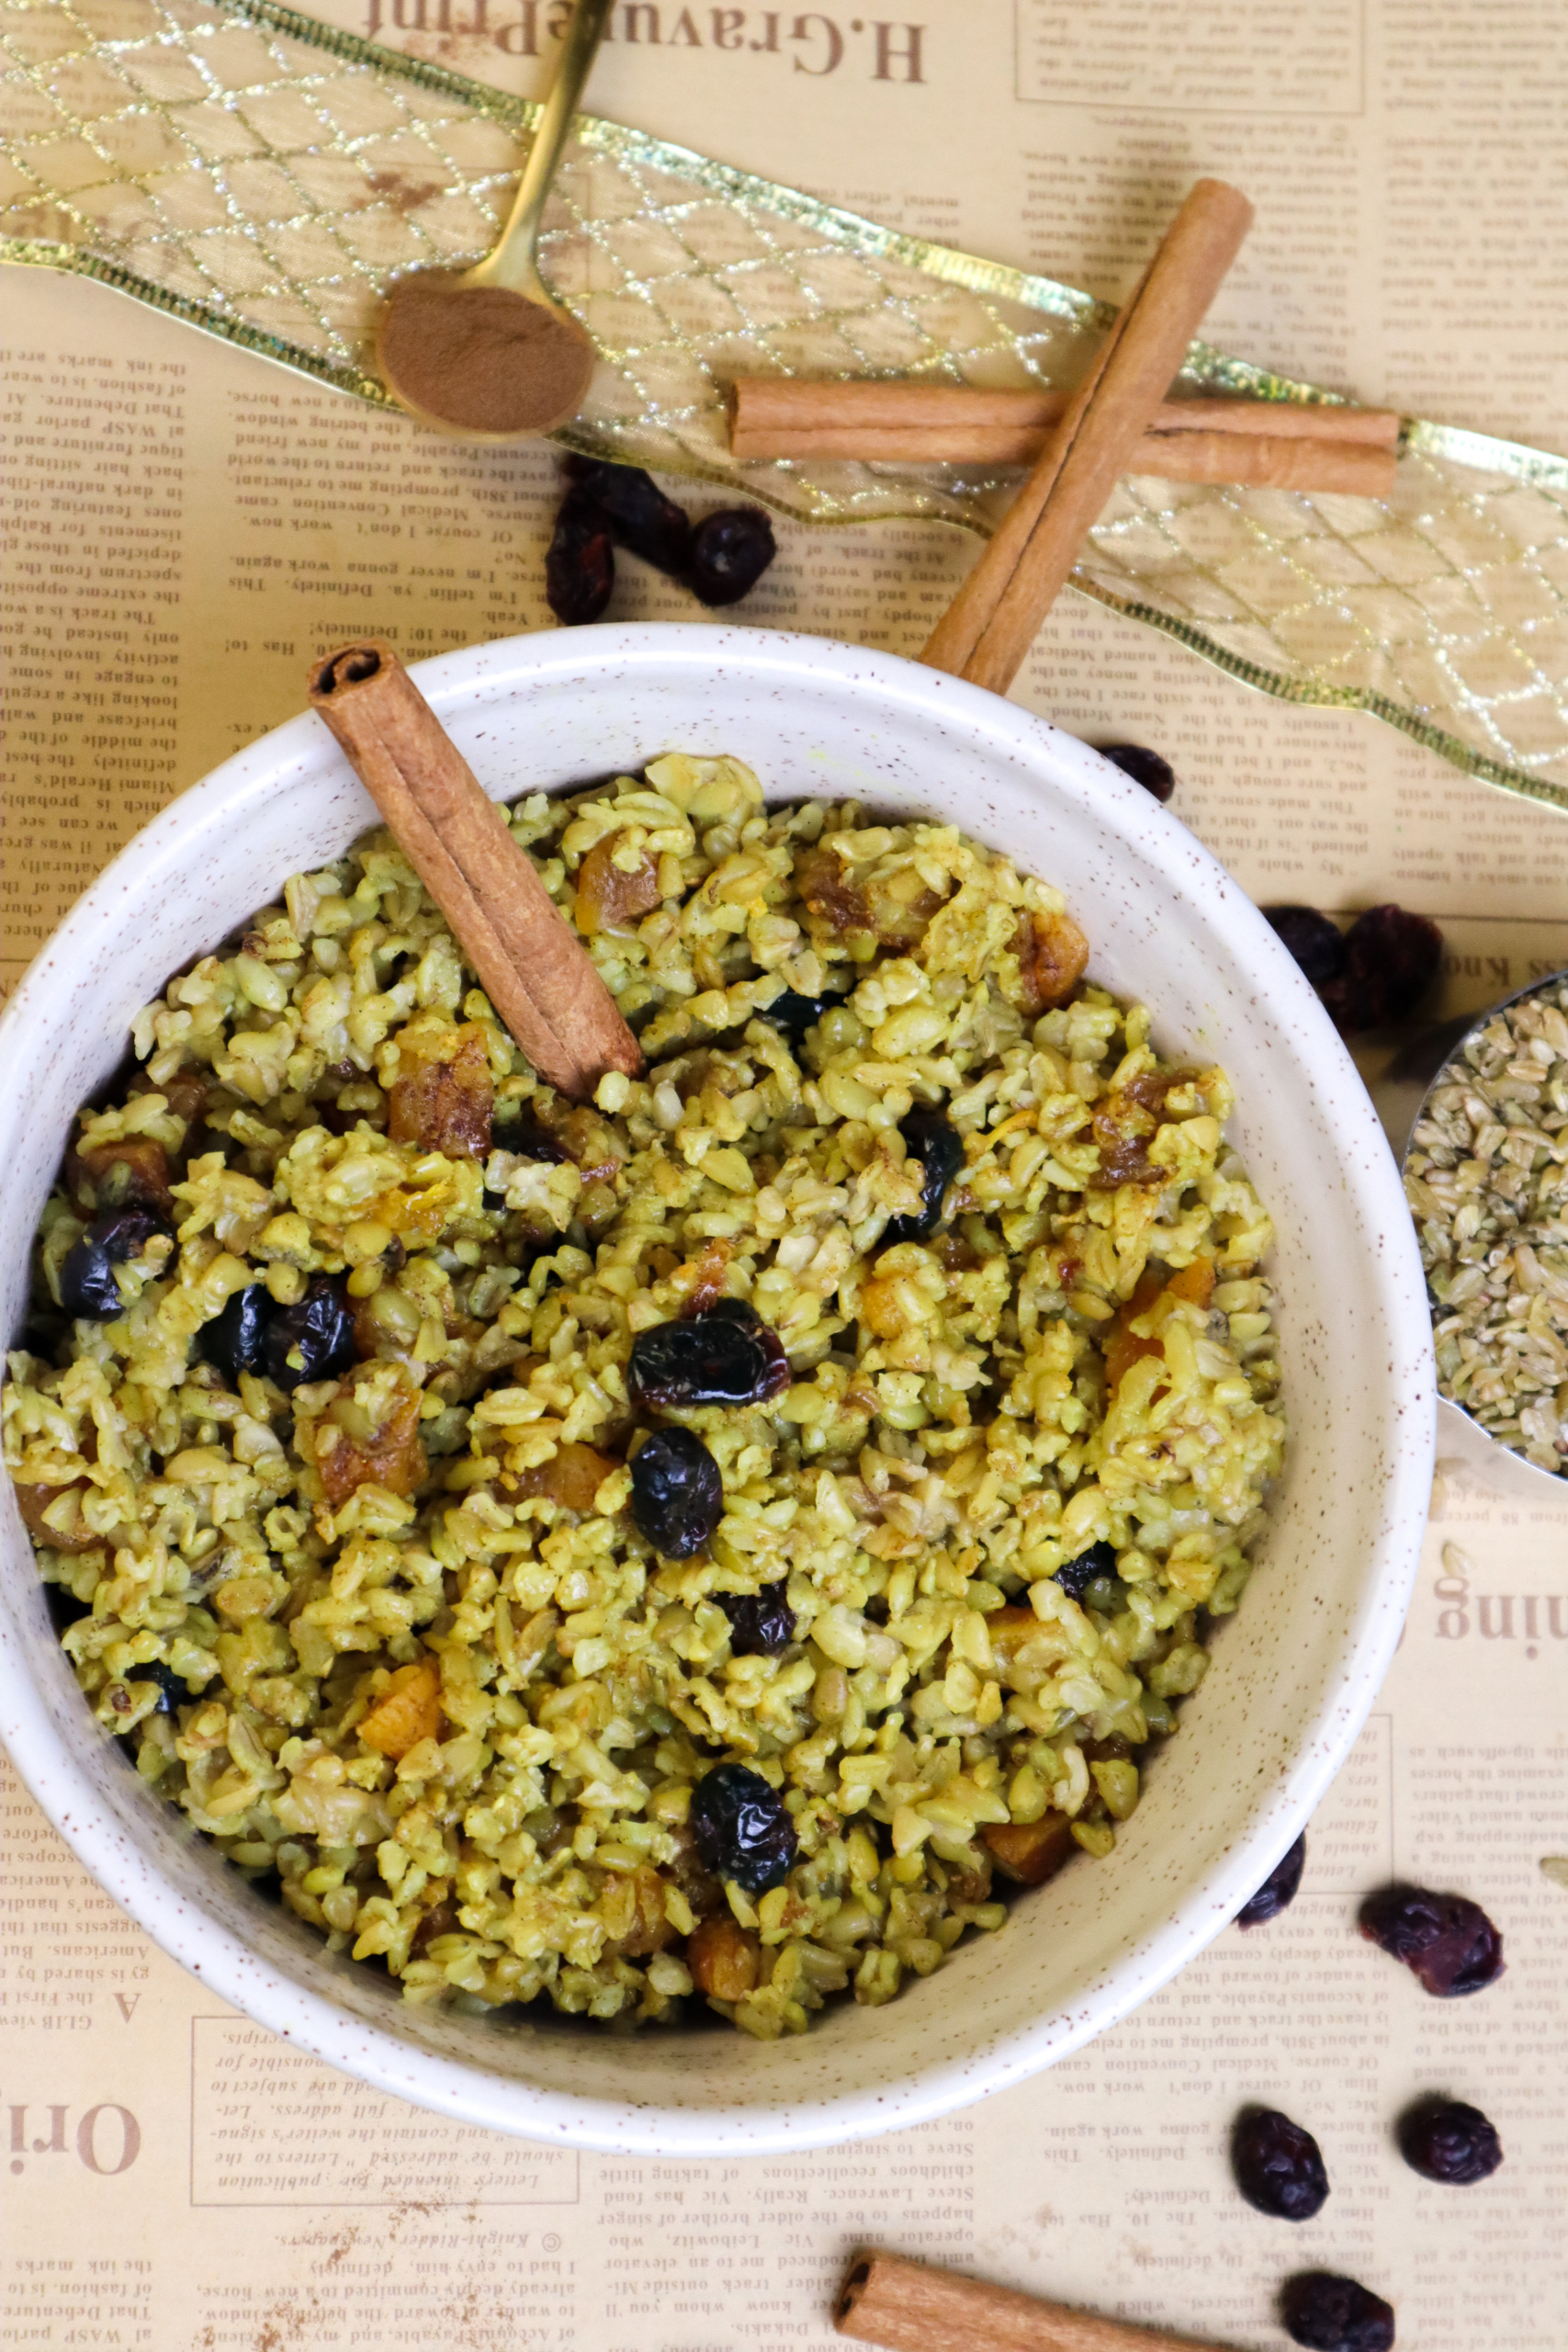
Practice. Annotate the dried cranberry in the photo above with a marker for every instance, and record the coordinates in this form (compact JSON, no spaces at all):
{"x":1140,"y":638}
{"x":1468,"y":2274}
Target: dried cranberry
{"x":87,"y":1286}
{"x":579,"y":564}
{"x":1148,"y":768}
{"x":1076,"y":1577}
{"x":642,"y":518}
{"x":312,"y":1340}
{"x":235,"y":1341}
{"x":1314,"y":940}
{"x":795,"y":1013}
{"x":730,"y":552}
{"x":726,"y":1356}
{"x":1391,"y":959}
{"x":1279,"y":2166}
{"x":929,"y":1138}
{"x":1446,"y":1940}
{"x":762,"y":1623}
{"x":1447,"y":2141}
{"x":173,"y":1688}
{"x":1277,"y":1890}
{"x":1332,"y":2315}
{"x":677,"y":1493}
{"x":741,"y":1828}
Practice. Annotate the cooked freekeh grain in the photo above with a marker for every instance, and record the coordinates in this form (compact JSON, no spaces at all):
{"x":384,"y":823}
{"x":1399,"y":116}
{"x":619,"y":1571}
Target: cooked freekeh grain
{"x":431,"y":1674}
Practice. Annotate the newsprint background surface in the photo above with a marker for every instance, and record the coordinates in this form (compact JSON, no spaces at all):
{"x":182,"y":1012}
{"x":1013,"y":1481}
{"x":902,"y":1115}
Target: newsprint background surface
{"x":188,"y":527}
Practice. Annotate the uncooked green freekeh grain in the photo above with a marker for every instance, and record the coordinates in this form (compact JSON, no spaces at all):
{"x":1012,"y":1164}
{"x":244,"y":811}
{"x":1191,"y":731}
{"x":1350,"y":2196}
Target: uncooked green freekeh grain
{"x":435,"y":1680}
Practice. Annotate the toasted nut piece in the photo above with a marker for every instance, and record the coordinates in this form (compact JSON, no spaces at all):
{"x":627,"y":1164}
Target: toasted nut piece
{"x":443,"y":1102}
{"x":1030,"y":1851}
{"x":1052,"y":955}
{"x":409,"y":1711}
{"x":724,"y":1958}
{"x":133,"y":1173}
{"x":33,"y":1501}
{"x":392,"y":1456}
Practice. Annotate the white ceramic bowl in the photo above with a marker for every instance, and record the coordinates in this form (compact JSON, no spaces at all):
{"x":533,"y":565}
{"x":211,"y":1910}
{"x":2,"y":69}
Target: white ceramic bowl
{"x":1294,"y":1672}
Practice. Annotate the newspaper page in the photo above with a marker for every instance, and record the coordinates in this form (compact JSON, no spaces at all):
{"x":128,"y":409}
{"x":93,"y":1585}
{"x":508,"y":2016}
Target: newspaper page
{"x":188,"y":527}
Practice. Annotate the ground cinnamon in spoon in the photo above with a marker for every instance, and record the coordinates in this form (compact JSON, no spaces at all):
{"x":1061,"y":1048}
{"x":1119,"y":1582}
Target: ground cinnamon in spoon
{"x":481,"y":357}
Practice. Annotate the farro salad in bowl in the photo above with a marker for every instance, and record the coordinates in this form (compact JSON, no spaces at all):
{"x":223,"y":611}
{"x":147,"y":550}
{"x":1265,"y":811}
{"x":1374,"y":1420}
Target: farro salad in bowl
{"x":719,"y":1550}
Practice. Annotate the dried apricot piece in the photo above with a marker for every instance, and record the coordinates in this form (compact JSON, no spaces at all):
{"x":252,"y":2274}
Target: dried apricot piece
{"x":1030,"y":1851}
{"x":407,"y":1712}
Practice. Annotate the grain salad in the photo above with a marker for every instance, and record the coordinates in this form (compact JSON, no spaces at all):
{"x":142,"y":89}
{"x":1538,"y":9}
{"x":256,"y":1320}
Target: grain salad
{"x":1487,"y":1177}
{"x":714,"y":1542}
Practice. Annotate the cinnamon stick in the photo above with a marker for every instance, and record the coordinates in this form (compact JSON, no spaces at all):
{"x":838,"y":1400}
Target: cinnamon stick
{"x":774,"y":416}
{"x":535,"y":973}
{"x":988,"y":627}
{"x":909,"y":2307}
{"x":1249,"y":461}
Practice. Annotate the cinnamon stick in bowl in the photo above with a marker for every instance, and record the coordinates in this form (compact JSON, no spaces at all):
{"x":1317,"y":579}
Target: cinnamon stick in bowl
{"x":536,"y":972}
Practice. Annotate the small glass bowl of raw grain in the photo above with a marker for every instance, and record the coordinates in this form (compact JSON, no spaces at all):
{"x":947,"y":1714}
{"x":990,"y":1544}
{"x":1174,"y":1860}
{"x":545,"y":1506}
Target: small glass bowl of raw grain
{"x":1487,"y":1177}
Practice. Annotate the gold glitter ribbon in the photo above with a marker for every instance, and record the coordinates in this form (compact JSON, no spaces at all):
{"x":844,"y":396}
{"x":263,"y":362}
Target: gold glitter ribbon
{"x":265,"y":178}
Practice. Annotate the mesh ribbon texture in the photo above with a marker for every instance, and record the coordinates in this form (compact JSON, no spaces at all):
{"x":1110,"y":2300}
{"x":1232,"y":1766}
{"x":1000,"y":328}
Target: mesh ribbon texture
{"x":265,"y":178}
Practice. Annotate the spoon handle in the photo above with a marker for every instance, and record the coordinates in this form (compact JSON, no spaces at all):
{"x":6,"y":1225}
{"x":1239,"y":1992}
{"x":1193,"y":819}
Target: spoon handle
{"x":511,"y":262}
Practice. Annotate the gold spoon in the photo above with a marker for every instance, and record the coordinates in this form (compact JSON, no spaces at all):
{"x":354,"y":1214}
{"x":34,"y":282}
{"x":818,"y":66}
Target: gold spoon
{"x":486,"y":353}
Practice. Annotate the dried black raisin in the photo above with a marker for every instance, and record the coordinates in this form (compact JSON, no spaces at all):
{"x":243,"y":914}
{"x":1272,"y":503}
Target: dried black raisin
{"x":1445,"y":1939}
{"x":312,"y":1340}
{"x":1277,"y":1890}
{"x":1445,"y":2140}
{"x":1391,"y":960}
{"x":730,"y":552}
{"x":677,"y":1493}
{"x":87,"y":1286}
{"x":1148,"y":768}
{"x":1279,"y":2166}
{"x":1328,"y":2314}
{"x":641,"y":515}
{"x":795,"y":1013}
{"x":173,"y":1688}
{"x":762,"y":1624}
{"x":927,"y":1137}
{"x":580,"y":563}
{"x":716,"y":1358}
{"x":1078,"y":1575}
{"x":1314,"y":940}
{"x":741,"y":1828}
{"x":235,"y":1341}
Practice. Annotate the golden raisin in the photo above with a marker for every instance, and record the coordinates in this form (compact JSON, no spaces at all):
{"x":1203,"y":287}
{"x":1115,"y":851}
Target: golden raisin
{"x":409,"y":1711}
{"x":571,"y":1477}
{"x":33,"y":1501}
{"x":609,"y":898}
{"x":724,"y":1958}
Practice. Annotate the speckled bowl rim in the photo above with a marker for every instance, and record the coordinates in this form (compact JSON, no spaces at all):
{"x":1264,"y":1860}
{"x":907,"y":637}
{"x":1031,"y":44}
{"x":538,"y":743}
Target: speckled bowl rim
{"x":785,"y":664}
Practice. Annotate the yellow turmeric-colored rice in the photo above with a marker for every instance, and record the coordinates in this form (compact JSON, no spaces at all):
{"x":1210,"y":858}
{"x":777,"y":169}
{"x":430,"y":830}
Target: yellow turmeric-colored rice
{"x":416,"y":1659}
